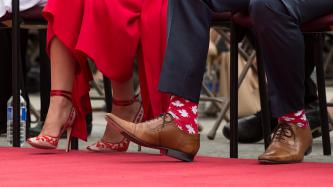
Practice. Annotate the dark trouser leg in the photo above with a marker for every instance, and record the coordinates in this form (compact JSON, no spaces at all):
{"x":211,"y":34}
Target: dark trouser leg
{"x":188,"y":37}
{"x":282,"y":43}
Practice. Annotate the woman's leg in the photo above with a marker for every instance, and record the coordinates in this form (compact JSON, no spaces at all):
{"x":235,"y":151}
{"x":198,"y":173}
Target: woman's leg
{"x":122,"y":91}
{"x":118,"y":41}
{"x":62,"y":78}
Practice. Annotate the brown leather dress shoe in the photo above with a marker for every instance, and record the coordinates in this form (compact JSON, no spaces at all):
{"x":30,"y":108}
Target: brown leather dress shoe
{"x":161,"y":133}
{"x":289,"y":145}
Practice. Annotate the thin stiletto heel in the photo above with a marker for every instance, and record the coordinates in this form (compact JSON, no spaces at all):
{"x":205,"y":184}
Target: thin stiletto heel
{"x":69,"y":139}
{"x":49,"y":142}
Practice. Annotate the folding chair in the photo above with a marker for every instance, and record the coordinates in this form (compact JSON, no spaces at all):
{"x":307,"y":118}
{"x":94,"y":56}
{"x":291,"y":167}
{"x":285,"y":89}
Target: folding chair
{"x":315,"y":28}
{"x":221,"y":22}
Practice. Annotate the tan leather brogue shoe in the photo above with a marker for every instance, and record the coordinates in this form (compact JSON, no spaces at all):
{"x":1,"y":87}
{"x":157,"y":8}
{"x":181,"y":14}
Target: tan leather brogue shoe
{"x":289,"y":145}
{"x":160,"y":133}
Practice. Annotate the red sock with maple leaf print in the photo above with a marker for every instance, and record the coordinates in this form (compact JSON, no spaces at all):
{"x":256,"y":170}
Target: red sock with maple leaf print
{"x":185,"y":114}
{"x":298,"y":118}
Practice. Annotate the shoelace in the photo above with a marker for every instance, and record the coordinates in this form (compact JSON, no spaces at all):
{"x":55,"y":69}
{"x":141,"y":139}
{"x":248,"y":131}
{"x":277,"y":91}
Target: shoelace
{"x":283,"y":131}
{"x":164,"y":117}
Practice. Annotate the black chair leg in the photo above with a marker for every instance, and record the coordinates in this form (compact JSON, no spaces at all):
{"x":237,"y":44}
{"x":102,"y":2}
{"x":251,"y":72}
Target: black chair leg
{"x":23,"y":77}
{"x":264,"y":101}
{"x":15,"y":73}
{"x":45,"y":76}
{"x":318,"y":57}
{"x":234,"y":92}
{"x":108,"y":94}
{"x":75,"y":144}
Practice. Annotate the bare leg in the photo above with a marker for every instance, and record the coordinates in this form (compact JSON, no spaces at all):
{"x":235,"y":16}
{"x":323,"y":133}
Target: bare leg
{"x":121,"y":91}
{"x":62,"y":78}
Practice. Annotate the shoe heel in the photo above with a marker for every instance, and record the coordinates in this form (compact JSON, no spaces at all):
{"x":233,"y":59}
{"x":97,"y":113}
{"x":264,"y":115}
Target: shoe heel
{"x":69,"y":138}
{"x":179,"y":155}
{"x":308,"y":151}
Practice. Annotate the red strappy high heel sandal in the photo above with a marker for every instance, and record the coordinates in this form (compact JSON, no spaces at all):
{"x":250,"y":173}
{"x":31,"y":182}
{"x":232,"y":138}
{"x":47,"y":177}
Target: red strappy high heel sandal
{"x":49,"y":142}
{"x":122,"y":146}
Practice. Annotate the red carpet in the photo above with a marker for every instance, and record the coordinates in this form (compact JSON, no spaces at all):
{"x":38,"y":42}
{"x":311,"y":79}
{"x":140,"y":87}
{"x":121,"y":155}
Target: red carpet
{"x":31,"y":167}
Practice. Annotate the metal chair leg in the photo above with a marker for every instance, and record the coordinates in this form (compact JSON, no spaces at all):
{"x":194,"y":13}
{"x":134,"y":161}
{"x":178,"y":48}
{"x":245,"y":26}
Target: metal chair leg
{"x":264,"y":102}
{"x":318,"y":57}
{"x":45,"y":75}
{"x":108,"y":94}
{"x":234,"y":92}
{"x":15,"y":72}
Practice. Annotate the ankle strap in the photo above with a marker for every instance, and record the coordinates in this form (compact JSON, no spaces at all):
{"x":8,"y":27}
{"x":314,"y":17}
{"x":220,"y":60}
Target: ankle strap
{"x":125,"y":102}
{"x":63,"y":93}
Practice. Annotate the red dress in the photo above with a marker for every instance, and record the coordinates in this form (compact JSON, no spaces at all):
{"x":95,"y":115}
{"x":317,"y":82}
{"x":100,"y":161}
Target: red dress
{"x":112,"y":33}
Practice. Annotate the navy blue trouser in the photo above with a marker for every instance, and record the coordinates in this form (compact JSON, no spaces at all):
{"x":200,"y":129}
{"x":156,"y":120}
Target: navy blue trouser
{"x":277,"y":29}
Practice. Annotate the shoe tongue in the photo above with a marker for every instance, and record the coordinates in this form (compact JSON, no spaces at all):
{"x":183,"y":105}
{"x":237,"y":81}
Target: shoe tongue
{"x":282,"y":132}
{"x":158,"y":120}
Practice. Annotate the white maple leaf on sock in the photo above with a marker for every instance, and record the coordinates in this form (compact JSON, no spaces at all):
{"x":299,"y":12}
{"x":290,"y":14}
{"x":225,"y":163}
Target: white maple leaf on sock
{"x":299,"y":113}
{"x":303,"y":117}
{"x":195,"y":109}
{"x":183,"y":113}
{"x":177,"y":103}
{"x":173,"y":115}
{"x":288,"y":118}
{"x":196,"y":121}
{"x":300,"y":125}
{"x":190,"y":129}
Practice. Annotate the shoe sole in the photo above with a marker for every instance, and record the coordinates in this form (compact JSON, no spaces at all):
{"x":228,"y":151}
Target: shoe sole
{"x":40,"y":146}
{"x":278,"y":162}
{"x":307,"y":152}
{"x":103,"y":151}
{"x":108,"y":150}
{"x":169,"y":152}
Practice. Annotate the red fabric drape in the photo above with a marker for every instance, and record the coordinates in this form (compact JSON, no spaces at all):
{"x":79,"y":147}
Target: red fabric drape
{"x":112,"y":34}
